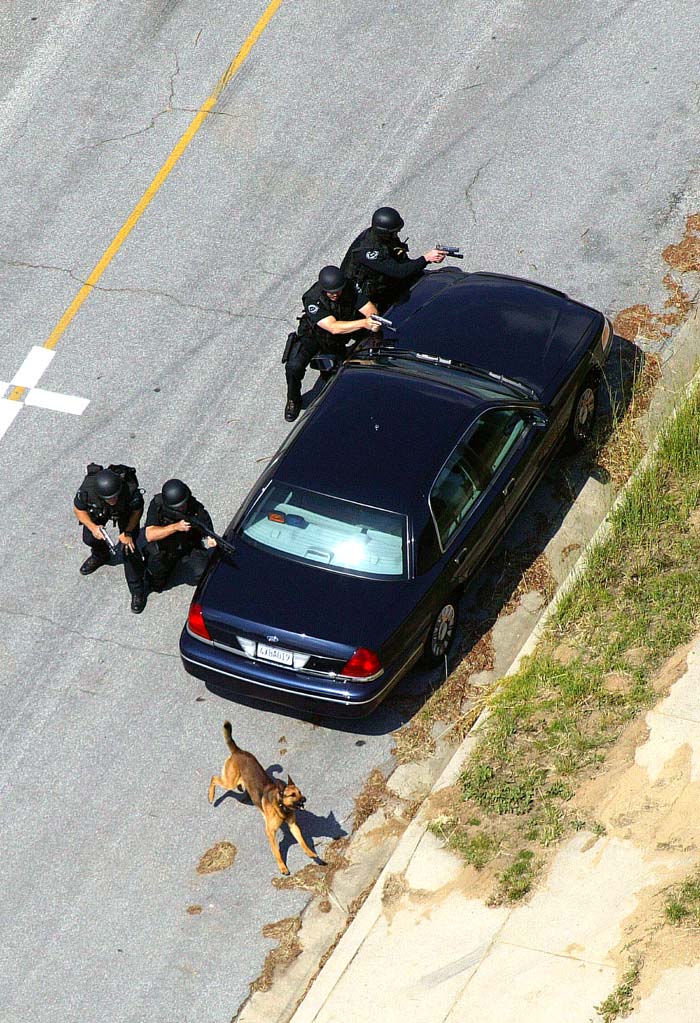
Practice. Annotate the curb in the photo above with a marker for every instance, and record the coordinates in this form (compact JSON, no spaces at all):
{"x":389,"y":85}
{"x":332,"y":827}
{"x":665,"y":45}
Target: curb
{"x":354,"y":936}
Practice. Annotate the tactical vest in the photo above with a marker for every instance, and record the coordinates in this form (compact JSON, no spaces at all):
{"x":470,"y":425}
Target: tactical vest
{"x":97,"y":508}
{"x":178,"y":542}
{"x":343,"y":309}
{"x":356,"y":270}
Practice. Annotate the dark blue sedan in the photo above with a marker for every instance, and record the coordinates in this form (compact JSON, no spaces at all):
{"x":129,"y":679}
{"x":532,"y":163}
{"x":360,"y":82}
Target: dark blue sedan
{"x":355,"y":543}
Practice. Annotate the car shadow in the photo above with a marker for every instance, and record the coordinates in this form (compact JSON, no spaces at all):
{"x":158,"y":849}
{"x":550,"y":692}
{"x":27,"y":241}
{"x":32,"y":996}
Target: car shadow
{"x":387,"y":718}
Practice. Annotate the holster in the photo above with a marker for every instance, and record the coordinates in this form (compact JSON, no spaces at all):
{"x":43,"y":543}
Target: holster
{"x":291,"y":339}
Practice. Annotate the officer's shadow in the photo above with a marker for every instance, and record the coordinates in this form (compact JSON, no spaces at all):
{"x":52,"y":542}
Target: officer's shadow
{"x":314,"y":392}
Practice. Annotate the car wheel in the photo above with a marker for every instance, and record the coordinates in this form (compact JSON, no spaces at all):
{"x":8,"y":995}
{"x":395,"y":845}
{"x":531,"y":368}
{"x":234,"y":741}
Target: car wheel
{"x":442,"y":633}
{"x":583,"y":416}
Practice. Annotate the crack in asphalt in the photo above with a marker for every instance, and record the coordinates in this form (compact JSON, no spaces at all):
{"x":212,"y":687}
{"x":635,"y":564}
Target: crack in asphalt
{"x":156,"y":292}
{"x":149,"y":127}
{"x":173,"y":76}
{"x":33,"y":616}
{"x":472,"y":183}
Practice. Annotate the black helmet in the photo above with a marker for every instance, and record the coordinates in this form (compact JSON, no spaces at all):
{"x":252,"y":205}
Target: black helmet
{"x":332,"y":278}
{"x":107,"y":483}
{"x":175,"y":493}
{"x":387,"y":220}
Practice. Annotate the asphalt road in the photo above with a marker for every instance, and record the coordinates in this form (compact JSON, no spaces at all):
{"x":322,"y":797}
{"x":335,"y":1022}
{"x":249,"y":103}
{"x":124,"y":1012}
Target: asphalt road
{"x":557,"y":141}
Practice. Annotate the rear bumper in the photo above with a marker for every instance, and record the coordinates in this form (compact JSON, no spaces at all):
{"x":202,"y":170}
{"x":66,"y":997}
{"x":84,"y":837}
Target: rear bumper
{"x":306,"y":693}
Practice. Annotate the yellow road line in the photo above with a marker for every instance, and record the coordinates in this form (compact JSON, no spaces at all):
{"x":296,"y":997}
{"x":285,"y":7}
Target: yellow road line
{"x":158,"y":180}
{"x":17,"y":393}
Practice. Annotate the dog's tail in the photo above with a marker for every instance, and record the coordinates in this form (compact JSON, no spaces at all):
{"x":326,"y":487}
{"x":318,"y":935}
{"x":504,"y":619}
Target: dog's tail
{"x":229,"y":738}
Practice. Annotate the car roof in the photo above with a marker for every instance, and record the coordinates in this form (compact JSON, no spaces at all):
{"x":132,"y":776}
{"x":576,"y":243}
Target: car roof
{"x":507,"y":325}
{"x":379,"y":436}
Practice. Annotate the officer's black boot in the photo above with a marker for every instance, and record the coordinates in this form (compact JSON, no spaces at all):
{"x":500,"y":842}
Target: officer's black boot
{"x":294,"y":372}
{"x":134,"y":572}
{"x":91,"y":564}
{"x":292,"y":410}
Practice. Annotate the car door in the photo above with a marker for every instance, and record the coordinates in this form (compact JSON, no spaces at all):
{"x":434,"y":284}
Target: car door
{"x":511,"y":446}
{"x":468,"y":512}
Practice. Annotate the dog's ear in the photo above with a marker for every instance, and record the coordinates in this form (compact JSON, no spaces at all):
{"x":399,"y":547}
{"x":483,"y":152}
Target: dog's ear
{"x":289,"y":780}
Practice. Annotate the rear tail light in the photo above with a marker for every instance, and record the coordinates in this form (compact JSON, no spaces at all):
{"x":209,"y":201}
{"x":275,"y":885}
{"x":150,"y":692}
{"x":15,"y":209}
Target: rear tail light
{"x":362,"y":664}
{"x":196,"y":623}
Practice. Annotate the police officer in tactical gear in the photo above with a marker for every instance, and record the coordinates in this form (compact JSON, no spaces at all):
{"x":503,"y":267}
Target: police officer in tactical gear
{"x":378,"y":260}
{"x":171,"y":535}
{"x":112,"y":495}
{"x":329,"y":321}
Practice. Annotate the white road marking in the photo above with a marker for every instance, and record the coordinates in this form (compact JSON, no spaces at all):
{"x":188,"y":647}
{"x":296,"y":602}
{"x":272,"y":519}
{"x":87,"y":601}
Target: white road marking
{"x":56,"y":402}
{"x":8,"y":412}
{"x":27,"y":377}
{"x":31,"y":370}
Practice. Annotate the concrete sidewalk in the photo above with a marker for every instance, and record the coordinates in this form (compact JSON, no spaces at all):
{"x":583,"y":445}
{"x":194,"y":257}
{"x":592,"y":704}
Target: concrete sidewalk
{"x":424,"y":947}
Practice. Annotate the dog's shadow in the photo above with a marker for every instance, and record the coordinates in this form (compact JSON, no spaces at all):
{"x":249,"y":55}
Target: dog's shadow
{"x":312,"y":827}
{"x":311,"y":824}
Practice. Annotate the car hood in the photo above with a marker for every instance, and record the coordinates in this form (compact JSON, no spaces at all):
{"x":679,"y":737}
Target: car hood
{"x":502,"y":325}
{"x":264,"y":595}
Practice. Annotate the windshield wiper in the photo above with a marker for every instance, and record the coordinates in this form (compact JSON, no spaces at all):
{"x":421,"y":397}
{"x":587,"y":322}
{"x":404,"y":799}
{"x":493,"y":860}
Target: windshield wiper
{"x":464,"y":367}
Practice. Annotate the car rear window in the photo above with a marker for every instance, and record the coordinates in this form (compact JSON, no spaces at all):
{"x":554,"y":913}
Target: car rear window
{"x":328,"y":531}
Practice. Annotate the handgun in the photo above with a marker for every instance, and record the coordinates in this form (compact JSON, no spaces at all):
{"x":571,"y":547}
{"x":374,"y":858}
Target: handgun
{"x":382,"y":320}
{"x":450,"y":250}
{"x":109,"y":541}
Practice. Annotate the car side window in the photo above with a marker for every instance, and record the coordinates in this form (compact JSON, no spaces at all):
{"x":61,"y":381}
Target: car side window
{"x":494,"y":436}
{"x":454,"y":492}
{"x":471,"y":466}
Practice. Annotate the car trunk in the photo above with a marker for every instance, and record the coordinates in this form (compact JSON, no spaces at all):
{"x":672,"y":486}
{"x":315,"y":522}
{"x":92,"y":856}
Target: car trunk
{"x":277,"y":601}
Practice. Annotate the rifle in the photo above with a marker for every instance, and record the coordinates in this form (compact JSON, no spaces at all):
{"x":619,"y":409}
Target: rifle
{"x":225,"y":546}
{"x":383,"y":321}
{"x":450,"y":250}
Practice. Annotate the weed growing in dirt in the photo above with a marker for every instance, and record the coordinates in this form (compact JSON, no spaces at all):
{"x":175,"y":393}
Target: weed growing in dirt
{"x":683,"y":904}
{"x":516,"y":881}
{"x":477,"y":847}
{"x":619,"y":1003}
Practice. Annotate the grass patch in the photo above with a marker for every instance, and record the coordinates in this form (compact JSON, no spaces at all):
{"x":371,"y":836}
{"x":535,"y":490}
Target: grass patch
{"x":476,"y":846}
{"x":516,"y":881}
{"x":683,"y":903}
{"x":619,"y":1002}
{"x":550,"y":724}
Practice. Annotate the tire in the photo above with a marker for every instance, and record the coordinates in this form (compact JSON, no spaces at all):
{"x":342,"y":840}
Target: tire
{"x":442,"y":633}
{"x":580,"y":428}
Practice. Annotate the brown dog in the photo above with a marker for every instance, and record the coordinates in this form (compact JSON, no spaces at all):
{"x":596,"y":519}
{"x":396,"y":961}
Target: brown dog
{"x":275,"y":800}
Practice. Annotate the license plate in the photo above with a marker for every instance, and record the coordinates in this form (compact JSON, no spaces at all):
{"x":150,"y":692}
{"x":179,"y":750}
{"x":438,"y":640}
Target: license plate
{"x":276,"y":654}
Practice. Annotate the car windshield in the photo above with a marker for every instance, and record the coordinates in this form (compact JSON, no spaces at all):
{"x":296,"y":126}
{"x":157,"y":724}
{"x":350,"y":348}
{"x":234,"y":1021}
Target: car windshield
{"x":482,"y":383}
{"x":338,"y":534}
